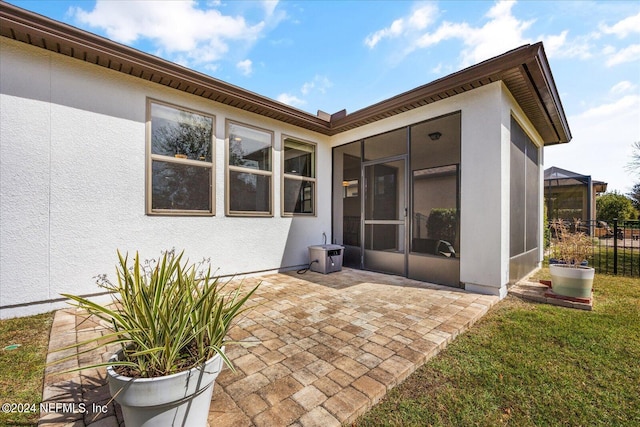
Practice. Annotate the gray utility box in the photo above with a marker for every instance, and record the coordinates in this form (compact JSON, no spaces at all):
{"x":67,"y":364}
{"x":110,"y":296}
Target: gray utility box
{"x":329,"y":258}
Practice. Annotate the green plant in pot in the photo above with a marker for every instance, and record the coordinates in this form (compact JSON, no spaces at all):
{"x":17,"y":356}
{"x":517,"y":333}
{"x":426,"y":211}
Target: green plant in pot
{"x":570,"y":275}
{"x":170,"y":318}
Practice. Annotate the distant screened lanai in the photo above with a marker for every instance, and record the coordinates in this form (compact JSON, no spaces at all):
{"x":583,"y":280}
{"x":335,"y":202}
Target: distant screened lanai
{"x":571,"y":195}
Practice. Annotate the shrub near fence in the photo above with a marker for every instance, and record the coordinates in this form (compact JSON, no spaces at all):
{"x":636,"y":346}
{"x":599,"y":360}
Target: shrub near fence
{"x":616,"y":246}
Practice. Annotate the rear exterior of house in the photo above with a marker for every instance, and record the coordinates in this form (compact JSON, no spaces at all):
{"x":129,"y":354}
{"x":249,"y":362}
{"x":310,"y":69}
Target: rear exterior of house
{"x":103,"y":147}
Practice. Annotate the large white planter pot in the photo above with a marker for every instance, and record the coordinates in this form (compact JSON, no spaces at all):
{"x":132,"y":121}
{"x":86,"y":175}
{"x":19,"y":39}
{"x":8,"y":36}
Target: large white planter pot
{"x":576,"y":282}
{"x":181,"y":399}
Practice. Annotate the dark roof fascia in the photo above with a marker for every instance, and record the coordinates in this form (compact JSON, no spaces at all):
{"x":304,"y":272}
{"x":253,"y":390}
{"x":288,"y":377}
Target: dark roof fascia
{"x":553,"y":170}
{"x":62,"y":33}
{"x":529,"y":60}
{"x":550,"y":177}
{"x":546,"y":85}
{"x":483,"y":70}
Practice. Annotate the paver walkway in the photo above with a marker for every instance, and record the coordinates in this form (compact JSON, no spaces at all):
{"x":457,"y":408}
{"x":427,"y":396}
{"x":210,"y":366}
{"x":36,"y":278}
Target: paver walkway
{"x":325,"y":349}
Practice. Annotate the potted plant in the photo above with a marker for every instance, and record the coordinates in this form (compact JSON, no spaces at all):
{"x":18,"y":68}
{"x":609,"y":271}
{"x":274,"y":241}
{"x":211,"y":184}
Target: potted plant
{"x":570,"y":274}
{"x":170,"y":319}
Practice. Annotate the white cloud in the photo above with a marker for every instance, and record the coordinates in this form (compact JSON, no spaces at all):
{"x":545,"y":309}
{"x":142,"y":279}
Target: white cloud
{"x":622,"y":87}
{"x":500,"y":9}
{"x":245,"y":67}
{"x":601,"y":139}
{"x":604,"y":133}
{"x":419,"y":19}
{"x":559,"y":46}
{"x":306,"y":88}
{"x":394,"y":30}
{"x":176,"y":28}
{"x":423,"y":16}
{"x":623,"y":28}
{"x":502,"y":32}
{"x":318,"y":84}
{"x":621,"y":55}
{"x":620,"y":107}
{"x":292,"y":100}
{"x":627,"y":54}
{"x":446,"y":31}
{"x":269,"y":6}
{"x":555,"y":44}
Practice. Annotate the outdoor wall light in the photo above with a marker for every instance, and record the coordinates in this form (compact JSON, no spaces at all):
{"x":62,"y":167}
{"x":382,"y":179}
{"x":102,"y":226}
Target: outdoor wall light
{"x":435,"y":136}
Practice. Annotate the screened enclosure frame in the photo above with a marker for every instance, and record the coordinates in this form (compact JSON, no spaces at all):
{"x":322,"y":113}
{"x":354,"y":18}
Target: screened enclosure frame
{"x":570,"y":195}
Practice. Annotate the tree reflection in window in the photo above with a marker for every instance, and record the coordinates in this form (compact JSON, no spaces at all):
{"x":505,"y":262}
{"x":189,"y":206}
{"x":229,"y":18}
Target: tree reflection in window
{"x":249,"y":176}
{"x":180,"y":133}
{"x":181,"y":153}
{"x":249,"y":148}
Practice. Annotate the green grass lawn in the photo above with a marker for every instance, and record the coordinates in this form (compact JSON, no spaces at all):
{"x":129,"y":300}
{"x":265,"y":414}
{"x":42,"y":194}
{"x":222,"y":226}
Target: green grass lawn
{"x":528,"y":364}
{"x":22,"y":369}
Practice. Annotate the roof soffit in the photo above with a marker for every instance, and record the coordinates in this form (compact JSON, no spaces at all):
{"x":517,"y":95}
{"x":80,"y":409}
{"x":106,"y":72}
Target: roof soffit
{"x":525,"y":72}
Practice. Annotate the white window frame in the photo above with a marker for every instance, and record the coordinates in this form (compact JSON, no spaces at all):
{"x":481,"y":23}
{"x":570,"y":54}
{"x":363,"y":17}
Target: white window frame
{"x":229,"y":168}
{"x":151,"y":157}
{"x":312,"y":179}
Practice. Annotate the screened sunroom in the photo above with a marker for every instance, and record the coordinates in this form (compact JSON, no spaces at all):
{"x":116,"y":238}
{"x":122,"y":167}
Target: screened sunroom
{"x":396,"y":201}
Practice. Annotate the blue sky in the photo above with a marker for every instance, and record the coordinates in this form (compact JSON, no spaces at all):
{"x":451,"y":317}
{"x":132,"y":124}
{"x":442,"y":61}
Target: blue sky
{"x":330,"y":55}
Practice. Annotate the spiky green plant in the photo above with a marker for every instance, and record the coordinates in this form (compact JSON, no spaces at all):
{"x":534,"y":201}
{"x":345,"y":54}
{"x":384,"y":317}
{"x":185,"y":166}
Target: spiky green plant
{"x":168,"y":316}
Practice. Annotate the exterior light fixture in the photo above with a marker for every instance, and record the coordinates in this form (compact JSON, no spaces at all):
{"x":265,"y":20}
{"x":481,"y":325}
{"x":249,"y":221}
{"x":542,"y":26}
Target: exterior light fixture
{"x":435,"y":136}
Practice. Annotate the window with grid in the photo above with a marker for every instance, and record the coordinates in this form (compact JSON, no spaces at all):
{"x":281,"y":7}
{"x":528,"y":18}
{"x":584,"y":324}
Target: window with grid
{"x":249,"y":171}
{"x":180,"y":161}
{"x":299,"y":178}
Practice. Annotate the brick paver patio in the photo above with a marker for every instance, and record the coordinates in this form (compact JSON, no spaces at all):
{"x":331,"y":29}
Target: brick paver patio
{"x":322,"y":350}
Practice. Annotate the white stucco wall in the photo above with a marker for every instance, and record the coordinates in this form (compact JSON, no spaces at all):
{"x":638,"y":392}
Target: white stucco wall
{"x":485,"y":196}
{"x":486,"y":191}
{"x":72,"y":183}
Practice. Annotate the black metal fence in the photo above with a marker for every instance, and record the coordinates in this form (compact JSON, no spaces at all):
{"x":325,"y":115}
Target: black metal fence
{"x":616,"y":245}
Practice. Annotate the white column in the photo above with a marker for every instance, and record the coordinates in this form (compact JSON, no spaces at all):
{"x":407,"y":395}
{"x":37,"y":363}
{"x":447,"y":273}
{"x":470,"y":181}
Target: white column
{"x":484,"y":193}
